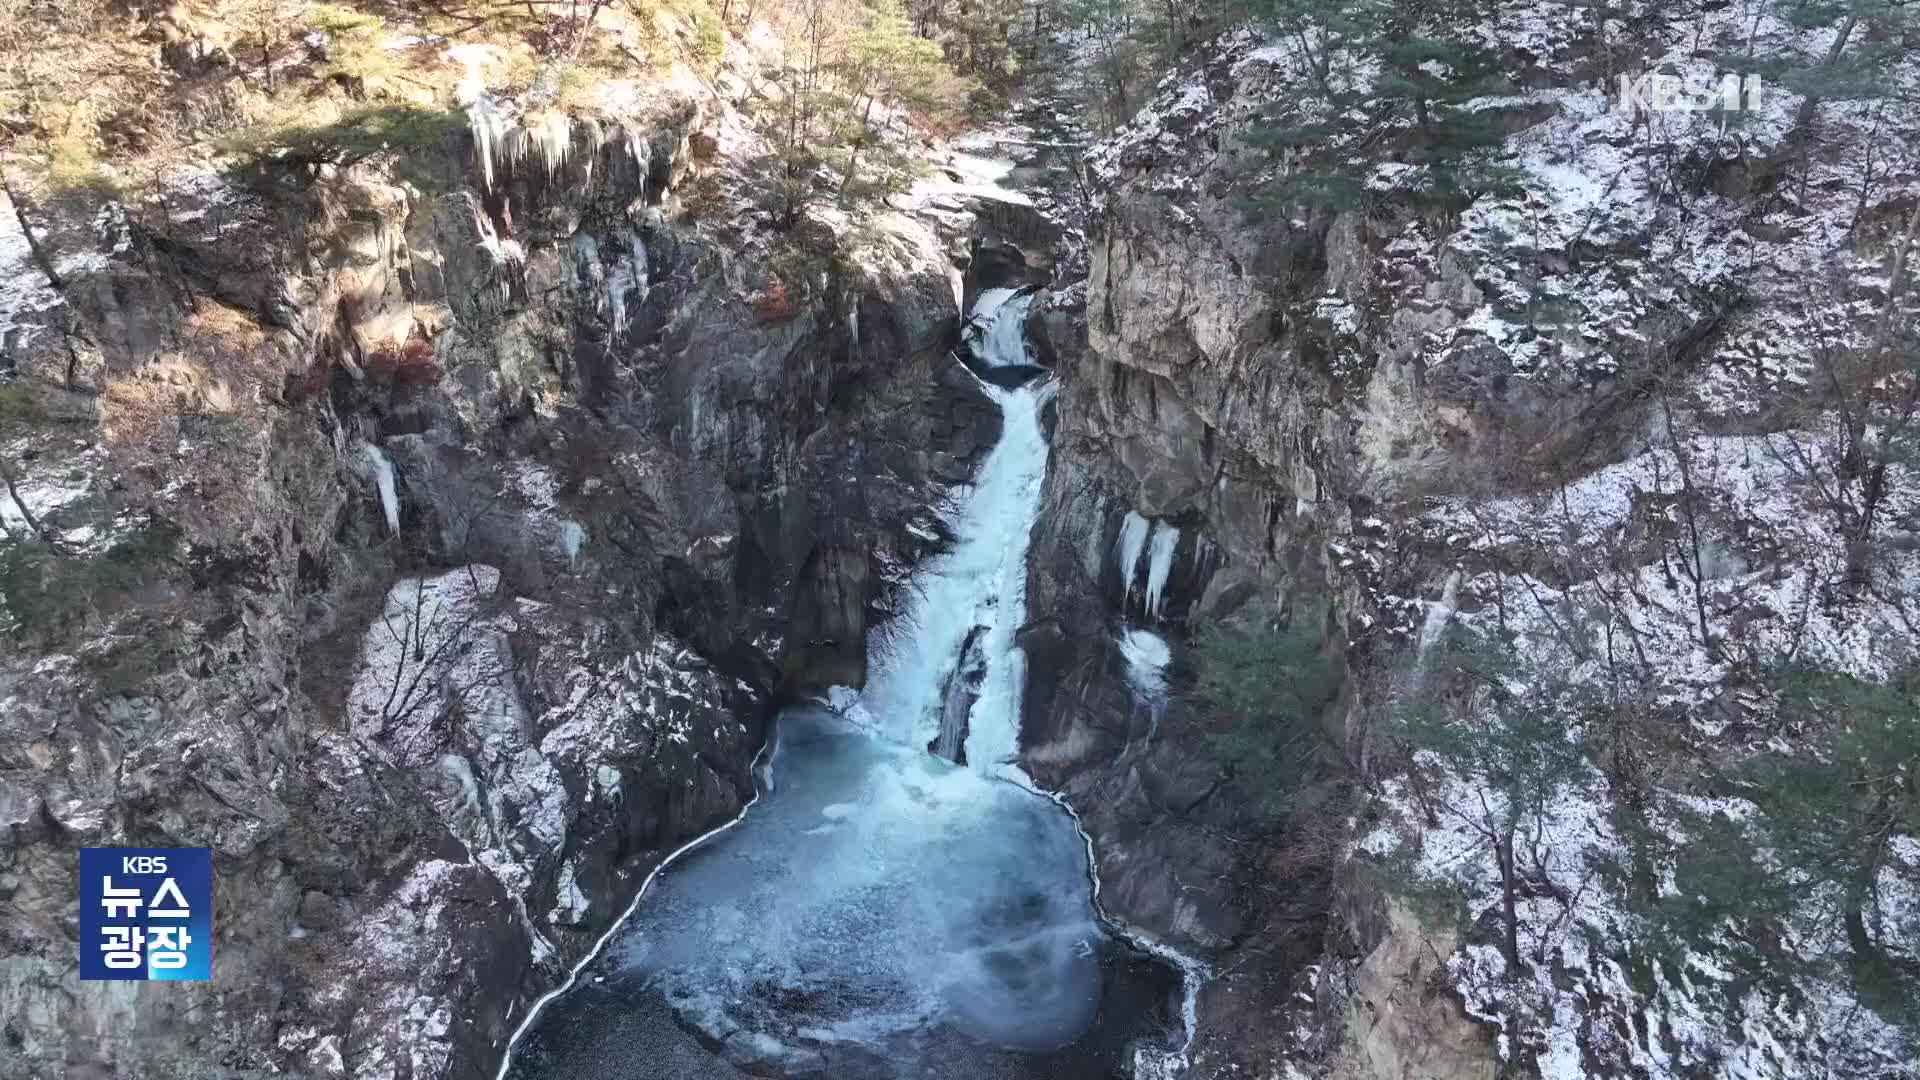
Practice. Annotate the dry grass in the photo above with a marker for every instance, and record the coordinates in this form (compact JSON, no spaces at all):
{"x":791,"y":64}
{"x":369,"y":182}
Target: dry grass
{"x":93,"y":99}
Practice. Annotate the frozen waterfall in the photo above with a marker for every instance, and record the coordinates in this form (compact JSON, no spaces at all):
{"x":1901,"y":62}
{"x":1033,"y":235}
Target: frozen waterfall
{"x":1166,"y":538}
{"x":980,"y":582}
{"x":378,"y":467}
{"x":997,"y":328}
{"x":882,"y":912}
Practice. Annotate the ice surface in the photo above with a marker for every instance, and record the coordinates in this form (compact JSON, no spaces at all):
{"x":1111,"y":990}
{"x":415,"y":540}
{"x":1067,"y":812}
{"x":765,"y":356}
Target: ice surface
{"x":1147,"y":656}
{"x":877,"y":891}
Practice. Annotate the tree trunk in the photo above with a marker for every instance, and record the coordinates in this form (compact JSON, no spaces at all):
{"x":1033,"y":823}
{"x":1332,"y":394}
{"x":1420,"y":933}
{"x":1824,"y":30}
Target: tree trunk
{"x":1316,"y":65}
{"x":1509,"y":904}
{"x":1805,"y":115}
{"x":13,"y":492}
{"x":40,"y":257}
{"x":1896,"y":280}
{"x":853,"y":152}
{"x":1860,"y":545}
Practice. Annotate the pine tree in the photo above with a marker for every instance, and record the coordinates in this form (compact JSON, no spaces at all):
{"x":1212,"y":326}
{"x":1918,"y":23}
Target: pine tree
{"x":1434,"y":75}
{"x":1265,"y":693}
{"x":1428,"y":66}
{"x":849,"y":64}
{"x":884,"y":62}
{"x":1512,"y":736}
{"x":1866,"y":40}
{"x":1324,"y":32}
{"x":1816,"y":851}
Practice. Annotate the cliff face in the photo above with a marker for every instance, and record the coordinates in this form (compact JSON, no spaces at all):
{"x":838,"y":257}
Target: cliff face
{"x":1365,"y":405}
{"x":427,"y":539}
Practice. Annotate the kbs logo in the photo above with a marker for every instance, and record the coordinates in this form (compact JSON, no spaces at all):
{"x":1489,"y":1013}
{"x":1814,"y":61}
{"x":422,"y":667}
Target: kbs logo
{"x":1660,"y":92}
{"x":146,"y":913}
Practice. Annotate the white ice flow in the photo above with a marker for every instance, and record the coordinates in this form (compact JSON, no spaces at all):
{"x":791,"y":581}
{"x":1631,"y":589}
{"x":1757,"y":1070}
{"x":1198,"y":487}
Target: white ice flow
{"x":877,"y":892}
{"x":378,"y":467}
{"x":980,"y":582}
{"x":997,"y":328}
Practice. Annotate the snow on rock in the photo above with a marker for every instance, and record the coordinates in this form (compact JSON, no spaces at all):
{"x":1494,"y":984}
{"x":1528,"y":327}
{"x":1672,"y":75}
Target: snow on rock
{"x":664,"y":692}
{"x":440,"y":649}
{"x":1620,"y":608}
{"x":1773,"y":562}
{"x":1181,"y":108}
{"x":509,"y":706}
{"x":25,"y":291}
{"x":1634,"y":256}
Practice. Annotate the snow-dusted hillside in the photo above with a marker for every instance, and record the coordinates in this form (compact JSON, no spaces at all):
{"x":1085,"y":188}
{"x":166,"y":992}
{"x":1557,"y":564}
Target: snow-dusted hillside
{"x":1598,"y":412}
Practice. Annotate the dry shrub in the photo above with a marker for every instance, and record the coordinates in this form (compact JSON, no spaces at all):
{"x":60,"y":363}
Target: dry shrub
{"x":409,"y":364}
{"x":775,"y":303}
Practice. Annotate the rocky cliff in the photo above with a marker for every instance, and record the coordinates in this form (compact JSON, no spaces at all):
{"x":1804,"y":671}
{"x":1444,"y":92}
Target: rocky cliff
{"x":1298,"y":400}
{"x":429,"y":536}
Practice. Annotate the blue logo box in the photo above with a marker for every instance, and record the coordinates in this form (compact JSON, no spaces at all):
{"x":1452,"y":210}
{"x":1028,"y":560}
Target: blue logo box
{"x":146,"y":913}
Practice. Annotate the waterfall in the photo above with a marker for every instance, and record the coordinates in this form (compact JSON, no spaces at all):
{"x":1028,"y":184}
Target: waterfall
{"x":993,"y":725}
{"x":879,"y":901}
{"x":1165,"y":539}
{"x":379,"y":468}
{"x":999,"y":322}
{"x":976,"y":592}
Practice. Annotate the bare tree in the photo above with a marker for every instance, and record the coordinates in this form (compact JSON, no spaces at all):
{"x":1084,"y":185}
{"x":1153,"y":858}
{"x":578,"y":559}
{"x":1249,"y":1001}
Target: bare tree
{"x":11,"y":483}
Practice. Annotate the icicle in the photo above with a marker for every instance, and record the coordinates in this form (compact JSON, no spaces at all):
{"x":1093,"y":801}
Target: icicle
{"x":1133,"y":540}
{"x":1166,"y":538}
{"x":573,"y":537}
{"x":490,"y":135}
{"x":547,"y":137}
{"x":380,"y":468}
{"x":629,"y":274}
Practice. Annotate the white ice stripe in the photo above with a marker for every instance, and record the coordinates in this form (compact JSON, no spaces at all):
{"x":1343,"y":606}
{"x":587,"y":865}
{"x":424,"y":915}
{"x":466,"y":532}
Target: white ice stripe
{"x":1132,"y":541}
{"x":379,"y":468}
{"x":1165,"y":539}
